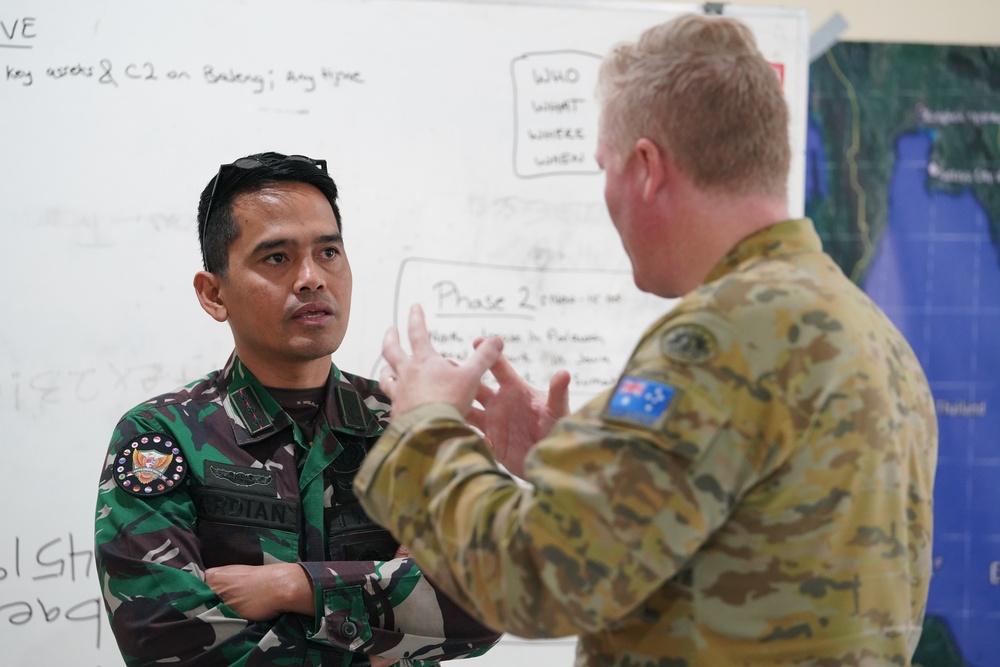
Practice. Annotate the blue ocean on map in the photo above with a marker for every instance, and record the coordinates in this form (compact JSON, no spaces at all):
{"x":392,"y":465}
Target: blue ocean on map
{"x":936,"y":272}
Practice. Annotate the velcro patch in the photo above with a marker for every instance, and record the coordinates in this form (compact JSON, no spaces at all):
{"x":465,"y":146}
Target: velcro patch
{"x":248,"y":406}
{"x":689,"y":343}
{"x":352,"y":410}
{"x":245,"y":509}
{"x":150,"y":464}
{"x":351,"y":455}
{"x":235,"y":478}
{"x":640,"y":401}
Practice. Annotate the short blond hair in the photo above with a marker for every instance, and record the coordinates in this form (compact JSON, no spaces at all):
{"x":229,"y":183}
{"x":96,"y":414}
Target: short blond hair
{"x":700,"y":89}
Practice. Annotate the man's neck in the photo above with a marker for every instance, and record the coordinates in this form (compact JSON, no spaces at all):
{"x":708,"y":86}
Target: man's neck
{"x":724,"y":221}
{"x":302,"y":405}
{"x":301,"y":375}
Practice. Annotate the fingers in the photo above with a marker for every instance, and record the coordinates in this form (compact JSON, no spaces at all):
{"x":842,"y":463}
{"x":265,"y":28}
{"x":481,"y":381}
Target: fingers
{"x":502,"y":369}
{"x":559,"y":394}
{"x":420,"y":341}
{"x":394,"y":355}
{"x":387,"y":381}
{"x":416,"y":328}
{"x":485,"y":355}
{"x":392,"y":351}
{"x":484,"y":393}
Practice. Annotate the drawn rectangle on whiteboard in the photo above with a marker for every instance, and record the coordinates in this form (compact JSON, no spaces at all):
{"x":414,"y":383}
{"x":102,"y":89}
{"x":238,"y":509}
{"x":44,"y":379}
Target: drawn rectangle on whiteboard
{"x":549,"y":319}
{"x":555,"y":113}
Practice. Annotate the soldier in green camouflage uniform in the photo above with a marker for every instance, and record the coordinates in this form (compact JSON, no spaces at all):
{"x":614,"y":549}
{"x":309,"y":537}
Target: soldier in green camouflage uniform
{"x":757,"y":488}
{"x":227,"y":531}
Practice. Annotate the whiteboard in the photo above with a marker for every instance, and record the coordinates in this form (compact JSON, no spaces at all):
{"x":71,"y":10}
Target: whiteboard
{"x":461,"y":136}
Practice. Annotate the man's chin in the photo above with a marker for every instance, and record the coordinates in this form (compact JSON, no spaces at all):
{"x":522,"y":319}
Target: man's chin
{"x":312,"y":349}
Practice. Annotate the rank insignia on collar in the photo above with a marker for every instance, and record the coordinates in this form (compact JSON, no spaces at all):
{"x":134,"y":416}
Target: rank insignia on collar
{"x":690,"y":343}
{"x":150,"y":464}
{"x":249,"y":408}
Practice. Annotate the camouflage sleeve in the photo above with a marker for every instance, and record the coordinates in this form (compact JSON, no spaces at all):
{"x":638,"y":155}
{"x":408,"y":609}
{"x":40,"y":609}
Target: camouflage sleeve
{"x":611,"y":514}
{"x":408,"y":617}
{"x":152,"y":576}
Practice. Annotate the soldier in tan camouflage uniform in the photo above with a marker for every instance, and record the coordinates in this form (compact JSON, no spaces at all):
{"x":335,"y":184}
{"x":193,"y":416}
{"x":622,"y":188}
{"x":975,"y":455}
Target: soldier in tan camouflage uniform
{"x":756,"y":490}
{"x":227,"y":531}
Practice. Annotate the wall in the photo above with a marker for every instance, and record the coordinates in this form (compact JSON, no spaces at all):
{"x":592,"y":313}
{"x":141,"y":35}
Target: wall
{"x":972,"y":22}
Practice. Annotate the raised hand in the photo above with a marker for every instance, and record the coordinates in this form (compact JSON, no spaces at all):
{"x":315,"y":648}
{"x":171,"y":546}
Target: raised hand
{"x":515,"y":415}
{"x":426,"y":376}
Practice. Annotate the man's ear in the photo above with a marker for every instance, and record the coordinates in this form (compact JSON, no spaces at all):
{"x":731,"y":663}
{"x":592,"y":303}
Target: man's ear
{"x":206,"y":286}
{"x":654,"y":167}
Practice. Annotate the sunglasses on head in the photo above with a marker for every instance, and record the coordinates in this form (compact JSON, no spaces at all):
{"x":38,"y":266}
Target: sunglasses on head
{"x":250,"y":163}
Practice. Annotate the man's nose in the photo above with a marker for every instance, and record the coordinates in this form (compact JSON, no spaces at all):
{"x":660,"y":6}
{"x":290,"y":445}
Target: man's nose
{"x":309,"y":277}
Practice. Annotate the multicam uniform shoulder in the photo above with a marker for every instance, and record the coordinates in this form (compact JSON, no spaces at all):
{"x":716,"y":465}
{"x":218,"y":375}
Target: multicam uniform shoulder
{"x":825,"y":455}
{"x":678,"y":360}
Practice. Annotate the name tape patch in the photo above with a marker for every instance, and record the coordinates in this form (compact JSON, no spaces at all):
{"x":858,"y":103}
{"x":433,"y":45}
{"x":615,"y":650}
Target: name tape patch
{"x":245,"y":509}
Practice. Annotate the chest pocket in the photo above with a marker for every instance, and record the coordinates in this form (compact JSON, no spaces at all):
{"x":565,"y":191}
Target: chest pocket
{"x":241,"y":519}
{"x":351,"y":534}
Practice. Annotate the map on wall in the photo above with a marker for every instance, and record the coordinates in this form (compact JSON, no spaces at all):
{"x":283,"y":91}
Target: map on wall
{"x":903,"y":183}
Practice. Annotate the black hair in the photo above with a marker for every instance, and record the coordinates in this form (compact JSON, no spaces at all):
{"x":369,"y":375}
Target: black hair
{"x":250,"y":174}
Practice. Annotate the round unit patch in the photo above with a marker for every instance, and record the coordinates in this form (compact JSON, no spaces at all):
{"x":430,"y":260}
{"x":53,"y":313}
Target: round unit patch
{"x":150,"y":464}
{"x":350,"y":457}
{"x":690,"y":343}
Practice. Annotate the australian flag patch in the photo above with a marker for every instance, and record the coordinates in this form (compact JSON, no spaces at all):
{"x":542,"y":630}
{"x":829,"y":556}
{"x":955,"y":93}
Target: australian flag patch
{"x":639,"y":400}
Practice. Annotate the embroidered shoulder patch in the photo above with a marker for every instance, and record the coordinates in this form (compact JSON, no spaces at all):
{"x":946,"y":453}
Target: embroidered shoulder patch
{"x":690,"y":343}
{"x":150,"y":464}
{"x":639,"y":400}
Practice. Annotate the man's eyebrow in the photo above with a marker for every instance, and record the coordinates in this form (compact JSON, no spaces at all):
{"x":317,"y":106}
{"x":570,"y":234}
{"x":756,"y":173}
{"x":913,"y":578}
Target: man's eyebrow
{"x":274,"y":244}
{"x":270,"y":245}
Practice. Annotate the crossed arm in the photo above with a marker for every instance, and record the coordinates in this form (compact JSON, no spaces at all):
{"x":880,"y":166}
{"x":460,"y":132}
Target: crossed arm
{"x":263,"y":592}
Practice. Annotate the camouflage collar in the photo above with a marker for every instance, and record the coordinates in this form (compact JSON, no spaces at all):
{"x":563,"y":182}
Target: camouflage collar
{"x":783,"y":238}
{"x":255,"y":414}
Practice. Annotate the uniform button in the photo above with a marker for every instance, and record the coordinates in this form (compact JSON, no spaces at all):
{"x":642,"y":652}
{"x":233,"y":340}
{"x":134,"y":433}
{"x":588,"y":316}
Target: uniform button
{"x":348,"y":630}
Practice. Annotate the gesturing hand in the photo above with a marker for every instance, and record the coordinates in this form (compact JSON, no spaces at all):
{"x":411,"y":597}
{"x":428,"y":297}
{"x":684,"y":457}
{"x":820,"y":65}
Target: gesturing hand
{"x":515,"y":415}
{"x":426,"y":376}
